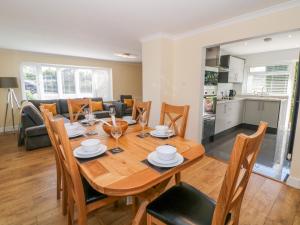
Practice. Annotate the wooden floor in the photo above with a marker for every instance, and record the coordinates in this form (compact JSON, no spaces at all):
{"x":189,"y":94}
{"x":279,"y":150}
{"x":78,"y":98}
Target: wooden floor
{"x":28,"y":195}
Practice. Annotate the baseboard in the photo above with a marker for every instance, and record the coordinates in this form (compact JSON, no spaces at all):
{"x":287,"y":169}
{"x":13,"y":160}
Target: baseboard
{"x":8,"y":129}
{"x":293,"y":182}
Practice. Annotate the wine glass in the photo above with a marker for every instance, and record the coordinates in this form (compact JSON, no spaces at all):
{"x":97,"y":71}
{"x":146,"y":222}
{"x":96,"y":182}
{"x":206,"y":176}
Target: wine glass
{"x":112,"y":111}
{"x":143,"y":122}
{"x":116,"y":132}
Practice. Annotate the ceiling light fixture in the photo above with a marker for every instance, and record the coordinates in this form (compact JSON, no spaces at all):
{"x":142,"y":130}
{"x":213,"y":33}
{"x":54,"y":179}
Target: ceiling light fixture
{"x":290,"y":36}
{"x":267,"y":39}
{"x":246,"y":43}
{"x":125,"y":55}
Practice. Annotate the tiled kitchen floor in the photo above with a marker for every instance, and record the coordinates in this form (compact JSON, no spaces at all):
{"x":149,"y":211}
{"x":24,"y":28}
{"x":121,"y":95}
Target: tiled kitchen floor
{"x":222,"y":146}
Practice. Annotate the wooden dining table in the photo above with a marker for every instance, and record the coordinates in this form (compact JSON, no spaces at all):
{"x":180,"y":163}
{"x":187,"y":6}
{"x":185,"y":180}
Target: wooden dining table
{"x":127,"y":173}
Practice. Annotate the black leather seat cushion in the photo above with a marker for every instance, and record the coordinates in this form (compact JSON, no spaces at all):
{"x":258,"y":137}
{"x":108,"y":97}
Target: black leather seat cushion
{"x":91,"y":195}
{"x":182,"y":205}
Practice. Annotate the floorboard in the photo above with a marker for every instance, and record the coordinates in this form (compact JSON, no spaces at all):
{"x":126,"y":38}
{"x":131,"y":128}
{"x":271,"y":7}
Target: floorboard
{"x":28,"y":192}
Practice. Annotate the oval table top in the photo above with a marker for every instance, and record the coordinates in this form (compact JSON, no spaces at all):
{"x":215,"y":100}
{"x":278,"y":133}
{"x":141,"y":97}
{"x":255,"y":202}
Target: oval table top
{"x":124,"y":174}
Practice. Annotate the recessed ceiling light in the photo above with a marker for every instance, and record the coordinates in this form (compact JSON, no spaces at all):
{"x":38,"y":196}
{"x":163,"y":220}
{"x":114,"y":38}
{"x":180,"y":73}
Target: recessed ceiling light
{"x":267,"y":39}
{"x":290,"y":36}
{"x":246,"y":43}
{"x":125,"y":55}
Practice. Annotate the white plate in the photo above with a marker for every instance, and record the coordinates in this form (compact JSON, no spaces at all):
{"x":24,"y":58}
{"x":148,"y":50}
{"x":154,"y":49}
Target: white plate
{"x":79,"y":153}
{"x":179,"y":157}
{"x":154,"y":133}
{"x":154,"y":157}
{"x":76,"y":133}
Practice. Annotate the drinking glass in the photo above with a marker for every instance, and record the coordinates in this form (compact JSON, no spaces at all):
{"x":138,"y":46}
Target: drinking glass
{"x":143,"y":122}
{"x":112,"y":111}
{"x":116,"y":132}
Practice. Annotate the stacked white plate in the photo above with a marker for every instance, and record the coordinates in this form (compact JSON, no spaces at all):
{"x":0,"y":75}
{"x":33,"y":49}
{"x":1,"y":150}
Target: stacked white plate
{"x":129,"y":120}
{"x":74,"y":129}
{"x":165,"y":156}
{"x":162,"y":131}
{"x":89,"y":148}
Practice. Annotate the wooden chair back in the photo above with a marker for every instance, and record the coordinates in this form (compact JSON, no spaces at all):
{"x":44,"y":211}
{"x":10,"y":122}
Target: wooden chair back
{"x":71,"y":170}
{"x":175,"y":117}
{"x":76,"y":107}
{"x":141,"y":108}
{"x":243,"y":157}
{"x":46,"y":115}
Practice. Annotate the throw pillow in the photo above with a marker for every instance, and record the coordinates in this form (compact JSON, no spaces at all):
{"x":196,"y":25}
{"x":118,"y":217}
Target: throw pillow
{"x":97,"y":106}
{"x":50,"y":107}
{"x":128,"y":102}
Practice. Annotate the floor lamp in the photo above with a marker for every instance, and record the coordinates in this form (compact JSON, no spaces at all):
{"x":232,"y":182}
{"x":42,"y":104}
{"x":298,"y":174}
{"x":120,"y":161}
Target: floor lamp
{"x":9,"y":83}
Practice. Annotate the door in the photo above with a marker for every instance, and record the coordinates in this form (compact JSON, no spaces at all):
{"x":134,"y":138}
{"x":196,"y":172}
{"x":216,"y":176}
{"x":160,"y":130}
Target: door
{"x":294,"y":117}
{"x":270,"y":113}
{"x":220,"y":118}
{"x":252,"y":112}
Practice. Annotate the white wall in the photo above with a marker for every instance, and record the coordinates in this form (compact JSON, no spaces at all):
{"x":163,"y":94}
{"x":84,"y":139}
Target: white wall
{"x":189,"y":55}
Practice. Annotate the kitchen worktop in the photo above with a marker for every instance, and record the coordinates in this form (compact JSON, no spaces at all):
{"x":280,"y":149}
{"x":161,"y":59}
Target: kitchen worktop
{"x":256,"y":98}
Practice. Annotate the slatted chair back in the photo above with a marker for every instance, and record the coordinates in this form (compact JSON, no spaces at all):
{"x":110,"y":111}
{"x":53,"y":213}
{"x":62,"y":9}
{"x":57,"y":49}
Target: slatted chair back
{"x":59,"y":170}
{"x":243,"y":157}
{"x":141,"y":109}
{"x":76,"y":107}
{"x":73,"y":178}
{"x":175,"y":117}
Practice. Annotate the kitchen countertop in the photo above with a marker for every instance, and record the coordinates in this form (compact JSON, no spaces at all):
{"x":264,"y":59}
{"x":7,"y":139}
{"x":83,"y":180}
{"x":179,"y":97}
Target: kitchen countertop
{"x":256,"y":98}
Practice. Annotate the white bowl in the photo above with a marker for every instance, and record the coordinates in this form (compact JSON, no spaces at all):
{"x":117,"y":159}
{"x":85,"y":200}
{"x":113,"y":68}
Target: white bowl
{"x":166,"y":152}
{"x":90,"y":145}
{"x":161,"y":129}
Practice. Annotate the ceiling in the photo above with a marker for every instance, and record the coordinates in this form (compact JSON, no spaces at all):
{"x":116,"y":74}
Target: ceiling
{"x":282,"y":41}
{"x":99,"y":28}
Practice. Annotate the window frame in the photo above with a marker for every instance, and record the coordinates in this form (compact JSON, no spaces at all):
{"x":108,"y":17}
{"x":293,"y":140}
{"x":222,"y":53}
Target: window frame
{"x":289,"y":72}
{"x":59,"y":68}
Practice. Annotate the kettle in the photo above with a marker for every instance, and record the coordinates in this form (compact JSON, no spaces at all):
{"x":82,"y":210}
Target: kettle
{"x":232,"y":93}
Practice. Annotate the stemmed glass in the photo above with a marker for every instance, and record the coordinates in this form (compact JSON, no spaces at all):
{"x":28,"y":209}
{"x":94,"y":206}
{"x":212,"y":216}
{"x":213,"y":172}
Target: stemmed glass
{"x":116,"y":132}
{"x":143,"y":122}
{"x":112,"y":113}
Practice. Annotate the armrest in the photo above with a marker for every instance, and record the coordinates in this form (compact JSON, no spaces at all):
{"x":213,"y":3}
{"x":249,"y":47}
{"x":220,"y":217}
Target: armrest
{"x":36,"y":131}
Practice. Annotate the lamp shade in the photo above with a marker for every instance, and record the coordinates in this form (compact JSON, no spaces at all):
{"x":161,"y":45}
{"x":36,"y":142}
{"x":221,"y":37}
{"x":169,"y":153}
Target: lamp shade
{"x":8,"y":82}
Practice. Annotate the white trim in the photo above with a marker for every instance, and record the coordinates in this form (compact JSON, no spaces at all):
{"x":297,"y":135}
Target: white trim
{"x":244,"y":17}
{"x":293,"y":182}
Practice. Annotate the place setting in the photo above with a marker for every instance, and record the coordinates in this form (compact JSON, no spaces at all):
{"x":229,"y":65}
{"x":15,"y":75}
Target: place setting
{"x":75,"y":130}
{"x":89,"y":149}
{"x":164,"y":158}
{"x":162,"y":132}
{"x":129,"y":120}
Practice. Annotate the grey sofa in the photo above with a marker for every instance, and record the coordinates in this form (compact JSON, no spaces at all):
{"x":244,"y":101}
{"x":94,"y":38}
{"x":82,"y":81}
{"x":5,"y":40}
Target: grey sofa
{"x":32,"y":131}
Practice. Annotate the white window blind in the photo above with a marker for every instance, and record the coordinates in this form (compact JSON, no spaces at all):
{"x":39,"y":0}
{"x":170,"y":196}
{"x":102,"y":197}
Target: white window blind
{"x":43,"y":81}
{"x":272,"y":80}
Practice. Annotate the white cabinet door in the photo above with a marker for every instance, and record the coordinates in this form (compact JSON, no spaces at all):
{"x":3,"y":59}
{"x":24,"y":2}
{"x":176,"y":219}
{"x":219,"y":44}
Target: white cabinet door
{"x":252,"y":113}
{"x":220,"y":118}
{"x":270,"y":113}
{"x":236,"y":70}
{"x":237,"y":112}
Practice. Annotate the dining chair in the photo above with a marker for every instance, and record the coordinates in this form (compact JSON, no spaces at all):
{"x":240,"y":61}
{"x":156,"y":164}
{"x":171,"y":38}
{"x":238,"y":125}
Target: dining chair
{"x":183,"y":204}
{"x":80,"y":193}
{"x":175,"y":117}
{"x":76,"y":107}
{"x":139,"y":108}
{"x":60,"y":178}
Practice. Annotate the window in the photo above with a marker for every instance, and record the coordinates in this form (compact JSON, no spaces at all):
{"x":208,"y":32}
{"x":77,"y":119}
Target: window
{"x":273,"y":80}
{"x":42,"y":81}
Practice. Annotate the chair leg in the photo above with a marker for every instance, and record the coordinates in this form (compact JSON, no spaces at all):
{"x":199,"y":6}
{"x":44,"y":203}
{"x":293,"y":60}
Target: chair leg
{"x":58,"y":184}
{"x":149,"y":219}
{"x":70,"y":210}
{"x":64,"y":199}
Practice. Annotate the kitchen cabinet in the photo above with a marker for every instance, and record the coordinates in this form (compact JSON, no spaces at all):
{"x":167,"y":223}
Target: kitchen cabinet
{"x":262,"y":110}
{"x":228,"y":115}
{"x":235,"y":73}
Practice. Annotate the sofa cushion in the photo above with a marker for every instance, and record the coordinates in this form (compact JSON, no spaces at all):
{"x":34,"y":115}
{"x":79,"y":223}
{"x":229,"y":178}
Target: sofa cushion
{"x":63,"y":104}
{"x":37,"y":103}
{"x":50,"y":107}
{"x":96,"y":106}
{"x":122,"y":97}
{"x":33,"y":113}
{"x":36,"y":131}
{"x":101,"y":114}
